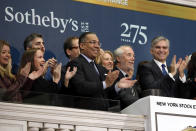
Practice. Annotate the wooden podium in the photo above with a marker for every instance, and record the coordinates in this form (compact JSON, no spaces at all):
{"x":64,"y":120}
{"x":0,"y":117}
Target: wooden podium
{"x":164,"y":113}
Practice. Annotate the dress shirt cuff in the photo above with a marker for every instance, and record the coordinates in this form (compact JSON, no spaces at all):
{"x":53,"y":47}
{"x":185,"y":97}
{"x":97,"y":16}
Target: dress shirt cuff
{"x":171,"y":76}
{"x":104,"y":85}
{"x":183,"y":79}
{"x":116,"y":88}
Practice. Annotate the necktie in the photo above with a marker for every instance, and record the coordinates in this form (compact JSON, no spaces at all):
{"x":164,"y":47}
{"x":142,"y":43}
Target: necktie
{"x":94,"y":67}
{"x":163,"y":69}
{"x":131,"y":88}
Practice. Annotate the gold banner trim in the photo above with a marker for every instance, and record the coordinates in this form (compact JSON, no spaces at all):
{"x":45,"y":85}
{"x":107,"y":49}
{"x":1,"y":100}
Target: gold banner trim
{"x":146,"y":6}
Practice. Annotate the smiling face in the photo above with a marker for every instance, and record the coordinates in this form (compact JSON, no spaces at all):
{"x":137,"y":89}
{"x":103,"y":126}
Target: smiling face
{"x":107,"y":61}
{"x":91,"y":46}
{"x":39,"y":60}
{"x":5,"y":55}
{"x":126,"y":59}
{"x":160,"y":51}
{"x":38,"y":43}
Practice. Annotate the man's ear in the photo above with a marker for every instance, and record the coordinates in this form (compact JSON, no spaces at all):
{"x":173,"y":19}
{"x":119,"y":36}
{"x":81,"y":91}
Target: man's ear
{"x":81,"y":45}
{"x":151,"y":51}
{"x":118,"y":58}
{"x":68,"y":51}
{"x":28,"y":48}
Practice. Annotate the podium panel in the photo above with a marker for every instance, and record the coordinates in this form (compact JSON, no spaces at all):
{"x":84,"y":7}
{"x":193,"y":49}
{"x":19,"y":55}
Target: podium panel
{"x":164,"y":113}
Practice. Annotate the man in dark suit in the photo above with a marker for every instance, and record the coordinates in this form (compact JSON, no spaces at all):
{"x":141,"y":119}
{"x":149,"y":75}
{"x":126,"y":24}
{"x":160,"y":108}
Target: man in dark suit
{"x":155,"y":77}
{"x":89,"y":82}
{"x":125,"y":58}
{"x":72,"y":51}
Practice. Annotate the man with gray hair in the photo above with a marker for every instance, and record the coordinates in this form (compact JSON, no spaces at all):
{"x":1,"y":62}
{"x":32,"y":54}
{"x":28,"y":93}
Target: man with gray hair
{"x":155,"y":77}
{"x":125,"y":58}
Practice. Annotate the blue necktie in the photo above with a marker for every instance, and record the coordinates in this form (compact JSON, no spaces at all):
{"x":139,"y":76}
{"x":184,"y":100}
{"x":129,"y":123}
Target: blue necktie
{"x":163,"y":69}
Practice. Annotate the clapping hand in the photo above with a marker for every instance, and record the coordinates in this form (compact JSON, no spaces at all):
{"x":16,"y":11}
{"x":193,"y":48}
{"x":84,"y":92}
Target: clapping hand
{"x":26,"y":69}
{"x":183,"y":66}
{"x":52,"y":63}
{"x":126,"y":82}
{"x":174,"y":65}
{"x":69,"y":74}
{"x":111,"y":77}
{"x":56,"y":75}
{"x":45,"y":67}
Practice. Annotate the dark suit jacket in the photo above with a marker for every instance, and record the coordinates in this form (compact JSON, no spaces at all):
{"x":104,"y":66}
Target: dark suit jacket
{"x":188,"y":89}
{"x":87,"y":85}
{"x":125,"y":96}
{"x":151,"y":77}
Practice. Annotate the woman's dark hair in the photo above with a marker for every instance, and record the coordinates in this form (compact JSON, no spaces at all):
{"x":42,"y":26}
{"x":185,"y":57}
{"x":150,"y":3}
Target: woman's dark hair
{"x":28,"y":56}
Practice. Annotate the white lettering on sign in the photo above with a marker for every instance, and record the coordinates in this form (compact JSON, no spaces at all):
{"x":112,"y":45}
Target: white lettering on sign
{"x":32,"y":18}
{"x":134,"y":33}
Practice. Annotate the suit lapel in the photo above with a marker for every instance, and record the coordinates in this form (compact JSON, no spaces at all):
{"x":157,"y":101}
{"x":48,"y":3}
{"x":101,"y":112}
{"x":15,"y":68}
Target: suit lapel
{"x":156,"y":69}
{"x":91,"y":70}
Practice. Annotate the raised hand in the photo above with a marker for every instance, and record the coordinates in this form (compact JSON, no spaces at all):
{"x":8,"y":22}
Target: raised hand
{"x":56,"y":75}
{"x":126,"y":83}
{"x":52,"y":64}
{"x":111,"y":77}
{"x":68,"y":75}
{"x":183,"y":66}
{"x":131,"y":72}
{"x":45,"y":67}
{"x":174,"y":65}
{"x":26,"y":69}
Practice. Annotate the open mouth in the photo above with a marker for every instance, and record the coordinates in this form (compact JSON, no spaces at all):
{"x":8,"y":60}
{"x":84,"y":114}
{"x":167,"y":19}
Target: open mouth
{"x":42,"y":64}
{"x":6,"y":59}
{"x":131,"y":62}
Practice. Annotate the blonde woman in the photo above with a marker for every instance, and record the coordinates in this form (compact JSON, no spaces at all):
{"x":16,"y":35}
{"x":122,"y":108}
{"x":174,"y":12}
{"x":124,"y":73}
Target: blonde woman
{"x":10,"y":84}
{"x":106,"y":59}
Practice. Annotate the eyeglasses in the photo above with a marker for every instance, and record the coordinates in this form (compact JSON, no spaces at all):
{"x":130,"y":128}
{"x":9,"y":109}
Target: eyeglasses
{"x":93,"y":42}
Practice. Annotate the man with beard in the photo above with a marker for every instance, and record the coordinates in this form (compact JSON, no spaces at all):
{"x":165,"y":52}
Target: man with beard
{"x":125,"y":58}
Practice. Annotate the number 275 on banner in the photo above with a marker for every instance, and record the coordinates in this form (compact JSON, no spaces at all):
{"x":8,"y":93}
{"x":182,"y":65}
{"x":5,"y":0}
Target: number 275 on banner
{"x":134,"y":32}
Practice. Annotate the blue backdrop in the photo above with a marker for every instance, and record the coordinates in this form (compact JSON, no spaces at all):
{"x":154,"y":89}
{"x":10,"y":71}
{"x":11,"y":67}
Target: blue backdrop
{"x":57,"y":20}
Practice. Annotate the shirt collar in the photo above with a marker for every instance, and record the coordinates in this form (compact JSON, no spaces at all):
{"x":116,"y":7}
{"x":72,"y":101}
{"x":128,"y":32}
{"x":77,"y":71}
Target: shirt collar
{"x":88,"y":59}
{"x":159,"y":63}
{"x":122,"y":72}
